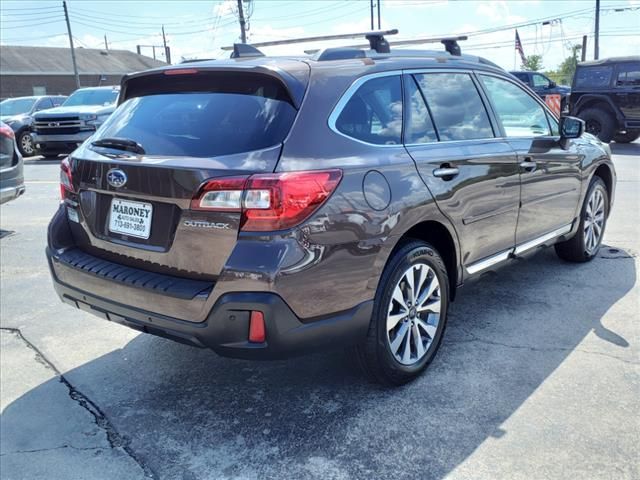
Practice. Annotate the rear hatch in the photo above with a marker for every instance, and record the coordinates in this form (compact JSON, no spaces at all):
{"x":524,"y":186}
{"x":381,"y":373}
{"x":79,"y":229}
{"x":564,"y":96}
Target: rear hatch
{"x":137,"y":181}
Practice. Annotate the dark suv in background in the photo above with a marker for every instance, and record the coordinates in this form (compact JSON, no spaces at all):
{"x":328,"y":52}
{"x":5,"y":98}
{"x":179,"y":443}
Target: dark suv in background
{"x":606,"y":95}
{"x":18,"y":114}
{"x":268,"y":207}
{"x":543,"y":85}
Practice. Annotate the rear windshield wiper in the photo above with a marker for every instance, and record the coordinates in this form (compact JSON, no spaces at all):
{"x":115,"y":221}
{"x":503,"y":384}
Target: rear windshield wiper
{"x":119,"y":144}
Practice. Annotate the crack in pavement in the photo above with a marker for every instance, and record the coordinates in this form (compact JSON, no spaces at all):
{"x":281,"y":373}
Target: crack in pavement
{"x":115,"y":439}
{"x":538,"y":349}
{"x":61,"y":447}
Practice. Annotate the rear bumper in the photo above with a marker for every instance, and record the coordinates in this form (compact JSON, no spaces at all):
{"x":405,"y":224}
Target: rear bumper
{"x":226,"y":328}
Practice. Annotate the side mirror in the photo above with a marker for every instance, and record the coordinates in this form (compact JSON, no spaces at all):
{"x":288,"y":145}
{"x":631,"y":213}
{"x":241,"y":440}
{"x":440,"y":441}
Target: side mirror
{"x":552,"y":84}
{"x":571,"y":127}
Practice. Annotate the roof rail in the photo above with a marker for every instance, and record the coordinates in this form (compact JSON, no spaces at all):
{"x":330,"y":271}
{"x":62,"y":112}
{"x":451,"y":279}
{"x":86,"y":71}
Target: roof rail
{"x":376,"y":40}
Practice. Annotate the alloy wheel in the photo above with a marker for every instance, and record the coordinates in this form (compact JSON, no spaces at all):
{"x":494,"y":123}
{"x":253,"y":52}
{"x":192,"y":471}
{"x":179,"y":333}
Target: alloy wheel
{"x":26,"y":144}
{"x":414,"y":314}
{"x":594,"y":221}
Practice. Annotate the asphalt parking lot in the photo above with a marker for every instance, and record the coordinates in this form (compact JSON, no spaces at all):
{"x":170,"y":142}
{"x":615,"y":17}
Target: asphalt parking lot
{"x":538,"y":378}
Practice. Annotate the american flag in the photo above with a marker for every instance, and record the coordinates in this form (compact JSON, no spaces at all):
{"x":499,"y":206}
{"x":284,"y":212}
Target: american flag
{"x":519,"y":48}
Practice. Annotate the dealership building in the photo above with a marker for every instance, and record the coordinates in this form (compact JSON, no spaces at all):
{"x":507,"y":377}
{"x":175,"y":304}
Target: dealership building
{"x":26,"y":71}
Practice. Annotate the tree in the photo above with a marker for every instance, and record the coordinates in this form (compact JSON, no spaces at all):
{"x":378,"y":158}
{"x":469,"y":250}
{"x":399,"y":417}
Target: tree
{"x":533,"y":63}
{"x":567,"y":68}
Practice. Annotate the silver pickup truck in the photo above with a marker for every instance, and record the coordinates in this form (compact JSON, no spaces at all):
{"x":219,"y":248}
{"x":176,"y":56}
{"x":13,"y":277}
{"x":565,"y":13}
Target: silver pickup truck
{"x":62,"y":129}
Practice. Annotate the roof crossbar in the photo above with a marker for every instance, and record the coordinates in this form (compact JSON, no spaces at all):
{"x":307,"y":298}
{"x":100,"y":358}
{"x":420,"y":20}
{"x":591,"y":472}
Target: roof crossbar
{"x":450,"y":43}
{"x":375,"y":37}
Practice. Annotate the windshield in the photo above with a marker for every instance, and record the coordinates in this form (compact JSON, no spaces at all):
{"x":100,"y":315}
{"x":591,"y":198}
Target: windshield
{"x":202,"y":124}
{"x":16,"y":106}
{"x":98,"y":96}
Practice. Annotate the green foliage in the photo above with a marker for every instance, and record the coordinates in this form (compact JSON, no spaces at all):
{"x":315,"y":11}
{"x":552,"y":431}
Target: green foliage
{"x":567,"y":68}
{"x":533,"y":63}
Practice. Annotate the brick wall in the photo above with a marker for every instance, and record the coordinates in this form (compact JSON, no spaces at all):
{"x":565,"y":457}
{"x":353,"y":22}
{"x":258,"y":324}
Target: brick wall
{"x":23,"y":85}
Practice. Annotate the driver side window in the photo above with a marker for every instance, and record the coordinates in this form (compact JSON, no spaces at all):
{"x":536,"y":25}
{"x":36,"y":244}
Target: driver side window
{"x":519,"y":113}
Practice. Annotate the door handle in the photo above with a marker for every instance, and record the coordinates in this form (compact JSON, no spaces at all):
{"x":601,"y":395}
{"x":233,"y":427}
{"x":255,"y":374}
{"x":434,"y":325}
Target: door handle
{"x":528,"y":164}
{"x":443,"y":172}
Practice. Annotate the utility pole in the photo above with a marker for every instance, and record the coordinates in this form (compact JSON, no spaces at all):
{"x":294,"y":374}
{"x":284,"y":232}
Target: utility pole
{"x":596,"y":43}
{"x":371,"y":5}
{"x":106,"y":44}
{"x":167,"y":52}
{"x":378,"y":2}
{"x":73,"y":52}
{"x":243,"y":33}
{"x":583,"y":57}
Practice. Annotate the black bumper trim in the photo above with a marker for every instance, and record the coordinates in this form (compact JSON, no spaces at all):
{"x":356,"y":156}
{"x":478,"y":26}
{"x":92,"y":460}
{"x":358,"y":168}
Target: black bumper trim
{"x":227,"y":326}
{"x":184,"y":288}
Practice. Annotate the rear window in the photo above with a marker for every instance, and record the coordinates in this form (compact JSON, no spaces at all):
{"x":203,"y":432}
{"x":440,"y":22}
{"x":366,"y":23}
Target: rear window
{"x":98,"y":96}
{"x":593,"y":77}
{"x":221,"y":116}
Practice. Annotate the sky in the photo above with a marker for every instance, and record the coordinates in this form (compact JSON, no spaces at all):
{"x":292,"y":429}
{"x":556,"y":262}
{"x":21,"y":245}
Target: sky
{"x":198,"y":28}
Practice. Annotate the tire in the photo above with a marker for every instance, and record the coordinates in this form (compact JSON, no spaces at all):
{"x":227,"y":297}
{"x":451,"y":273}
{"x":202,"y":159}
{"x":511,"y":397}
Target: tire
{"x":25,"y":144}
{"x":377,"y":357}
{"x":628,"y":137}
{"x":579,"y":248}
{"x":599,"y":122}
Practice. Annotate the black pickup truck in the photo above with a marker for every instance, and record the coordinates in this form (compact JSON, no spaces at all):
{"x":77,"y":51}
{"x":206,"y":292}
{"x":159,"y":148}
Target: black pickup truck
{"x":606,"y":95}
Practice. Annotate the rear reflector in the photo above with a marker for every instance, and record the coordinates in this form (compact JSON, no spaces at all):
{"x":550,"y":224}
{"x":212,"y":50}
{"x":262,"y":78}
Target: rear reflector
{"x":273,"y":201}
{"x":257,"y":333}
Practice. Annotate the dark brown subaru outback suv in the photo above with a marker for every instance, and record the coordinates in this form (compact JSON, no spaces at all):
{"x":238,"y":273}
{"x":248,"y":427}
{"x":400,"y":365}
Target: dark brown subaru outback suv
{"x":266,"y":207}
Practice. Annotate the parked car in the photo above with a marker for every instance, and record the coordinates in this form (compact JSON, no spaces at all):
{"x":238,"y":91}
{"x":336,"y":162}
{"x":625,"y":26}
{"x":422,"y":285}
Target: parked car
{"x":61,"y":130}
{"x":18,"y":114}
{"x":606,"y":95}
{"x":543,"y":86}
{"x":11,"y":174}
{"x":267,"y":207}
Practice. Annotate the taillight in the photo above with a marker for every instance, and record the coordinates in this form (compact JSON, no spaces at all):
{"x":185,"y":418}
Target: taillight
{"x":6,"y":131}
{"x":273,"y":201}
{"x":66,"y":180}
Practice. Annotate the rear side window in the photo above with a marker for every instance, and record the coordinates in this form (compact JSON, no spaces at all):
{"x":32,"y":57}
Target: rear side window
{"x":373,"y":114}
{"x":519,"y":113}
{"x":593,"y":77}
{"x":628,"y":75}
{"x":232,"y":115}
{"x":456,"y":106}
{"x":419,"y":126}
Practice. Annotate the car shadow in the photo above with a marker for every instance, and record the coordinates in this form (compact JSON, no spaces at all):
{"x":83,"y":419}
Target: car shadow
{"x":190,"y":414}
{"x":42,"y":161}
{"x":632,"y":149}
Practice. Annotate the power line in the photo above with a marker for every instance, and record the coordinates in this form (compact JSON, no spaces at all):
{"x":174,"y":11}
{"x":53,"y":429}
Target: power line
{"x":32,"y":24}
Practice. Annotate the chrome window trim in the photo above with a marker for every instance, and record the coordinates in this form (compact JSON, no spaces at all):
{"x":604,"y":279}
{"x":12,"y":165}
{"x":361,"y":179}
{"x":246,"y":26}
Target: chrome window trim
{"x":346,"y":96}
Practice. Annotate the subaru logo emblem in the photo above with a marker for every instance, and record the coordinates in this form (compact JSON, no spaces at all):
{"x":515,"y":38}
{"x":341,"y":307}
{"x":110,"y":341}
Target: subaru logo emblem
{"x":116,"y":178}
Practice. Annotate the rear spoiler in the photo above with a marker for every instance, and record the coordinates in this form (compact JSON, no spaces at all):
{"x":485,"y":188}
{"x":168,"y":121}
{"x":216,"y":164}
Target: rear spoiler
{"x":293,"y":85}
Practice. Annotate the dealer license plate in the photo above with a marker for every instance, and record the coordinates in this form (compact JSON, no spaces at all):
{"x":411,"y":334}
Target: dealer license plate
{"x":130,"y":218}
